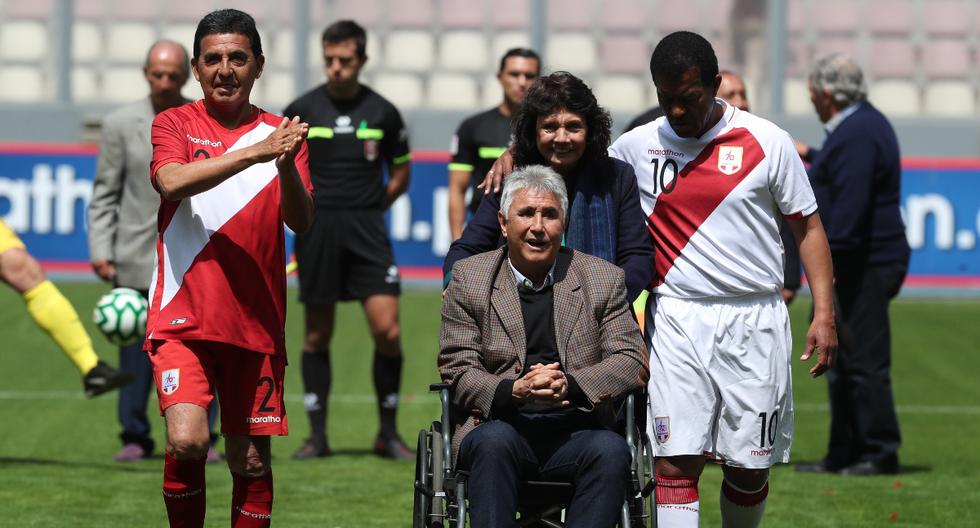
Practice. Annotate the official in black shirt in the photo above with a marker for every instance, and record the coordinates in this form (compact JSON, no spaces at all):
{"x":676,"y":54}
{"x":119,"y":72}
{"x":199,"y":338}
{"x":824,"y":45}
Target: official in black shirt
{"x":482,"y":138}
{"x":354,"y":135}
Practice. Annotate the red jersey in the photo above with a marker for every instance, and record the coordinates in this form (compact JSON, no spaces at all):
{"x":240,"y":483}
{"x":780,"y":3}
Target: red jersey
{"x":220,"y":255}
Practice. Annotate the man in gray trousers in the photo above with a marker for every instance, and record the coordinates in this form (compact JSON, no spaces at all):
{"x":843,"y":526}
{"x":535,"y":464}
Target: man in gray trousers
{"x":122,"y":219}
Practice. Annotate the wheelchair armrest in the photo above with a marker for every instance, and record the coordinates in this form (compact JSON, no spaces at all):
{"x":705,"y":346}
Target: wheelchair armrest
{"x":436,"y":387}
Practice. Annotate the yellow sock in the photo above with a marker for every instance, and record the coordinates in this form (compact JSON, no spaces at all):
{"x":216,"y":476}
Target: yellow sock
{"x":56,"y":316}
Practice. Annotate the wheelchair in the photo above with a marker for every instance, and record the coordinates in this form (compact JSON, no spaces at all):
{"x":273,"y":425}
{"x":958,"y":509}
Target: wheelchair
{"x":440,"y":488}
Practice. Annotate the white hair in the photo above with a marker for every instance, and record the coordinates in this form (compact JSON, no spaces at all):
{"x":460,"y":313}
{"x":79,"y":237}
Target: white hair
{"x":534,"y":178}
{"x":838,"y":74}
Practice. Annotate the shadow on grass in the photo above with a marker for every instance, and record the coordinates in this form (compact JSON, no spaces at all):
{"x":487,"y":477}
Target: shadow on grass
{"x":903,"y":469}
{"x":125,"y":468}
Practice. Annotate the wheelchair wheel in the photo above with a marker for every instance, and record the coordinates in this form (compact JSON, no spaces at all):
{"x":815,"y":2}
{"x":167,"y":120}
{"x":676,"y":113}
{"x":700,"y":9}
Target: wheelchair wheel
{"x":423,"y":483}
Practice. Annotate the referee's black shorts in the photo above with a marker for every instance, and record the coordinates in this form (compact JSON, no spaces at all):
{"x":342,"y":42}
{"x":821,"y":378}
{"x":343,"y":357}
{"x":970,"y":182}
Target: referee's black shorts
{"x":346,"y":255}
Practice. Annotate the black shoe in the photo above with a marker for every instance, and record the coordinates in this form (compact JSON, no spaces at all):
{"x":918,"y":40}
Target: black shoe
{"x":392,"y":447}
{"x":868,"y":468}
{"x":312,"y":448}
{"x":817,"y":467}
{"x":104,"y":378}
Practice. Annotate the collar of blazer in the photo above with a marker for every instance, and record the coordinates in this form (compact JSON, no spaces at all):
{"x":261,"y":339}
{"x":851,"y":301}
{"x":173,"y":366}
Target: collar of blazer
{"x":567,"y":303}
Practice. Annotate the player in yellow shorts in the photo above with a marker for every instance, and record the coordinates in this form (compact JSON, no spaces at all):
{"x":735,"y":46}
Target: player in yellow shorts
{"x":54,"y":314}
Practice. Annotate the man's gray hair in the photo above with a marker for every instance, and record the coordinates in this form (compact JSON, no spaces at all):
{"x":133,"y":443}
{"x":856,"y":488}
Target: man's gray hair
{"x":838,"y":74}
{"x":536,"y":178}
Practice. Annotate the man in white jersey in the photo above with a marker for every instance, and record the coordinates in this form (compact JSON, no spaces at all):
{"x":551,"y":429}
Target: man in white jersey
{"x":713,"y":182}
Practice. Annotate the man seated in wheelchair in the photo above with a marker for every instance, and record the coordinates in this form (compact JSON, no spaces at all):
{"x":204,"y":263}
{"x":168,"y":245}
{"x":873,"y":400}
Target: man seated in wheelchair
{"x":538,"y":341}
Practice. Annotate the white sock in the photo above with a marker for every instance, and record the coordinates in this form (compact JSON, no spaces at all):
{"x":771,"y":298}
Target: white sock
{"x":678,"y":503}
{"x":742,"y":508}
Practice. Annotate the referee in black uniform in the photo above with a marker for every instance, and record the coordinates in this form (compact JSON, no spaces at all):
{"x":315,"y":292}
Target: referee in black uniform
{"x":482,"y":138}
{"x":346,"y":255}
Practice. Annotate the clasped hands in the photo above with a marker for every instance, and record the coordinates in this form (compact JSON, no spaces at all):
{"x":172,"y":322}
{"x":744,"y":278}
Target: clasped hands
{"x":543,"y":385}
{"x":285,"y":141}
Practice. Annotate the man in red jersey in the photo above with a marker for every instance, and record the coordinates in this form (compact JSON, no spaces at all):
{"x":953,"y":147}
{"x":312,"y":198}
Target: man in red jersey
{"x":229,"y":174}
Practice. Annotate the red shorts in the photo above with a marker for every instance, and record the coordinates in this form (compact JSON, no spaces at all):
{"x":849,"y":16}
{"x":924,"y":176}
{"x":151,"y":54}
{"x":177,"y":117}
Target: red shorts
{"x":248,"y":384}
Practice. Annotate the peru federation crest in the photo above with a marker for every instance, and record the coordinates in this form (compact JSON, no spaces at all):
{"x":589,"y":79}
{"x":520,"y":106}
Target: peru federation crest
{"x":661,"y":427}
{"x":729,"y":159}
{"x":170,"y":381}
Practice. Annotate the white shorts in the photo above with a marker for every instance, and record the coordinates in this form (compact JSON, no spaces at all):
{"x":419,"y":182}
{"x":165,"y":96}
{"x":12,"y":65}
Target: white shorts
{"x":720,"y":381}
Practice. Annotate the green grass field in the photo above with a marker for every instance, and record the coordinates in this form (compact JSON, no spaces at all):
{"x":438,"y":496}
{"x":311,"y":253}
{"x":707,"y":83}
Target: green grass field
{"x":56,"y":448}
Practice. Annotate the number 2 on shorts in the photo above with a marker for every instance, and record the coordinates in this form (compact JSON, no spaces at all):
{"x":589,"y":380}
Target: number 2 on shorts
{"x":266,"y":380}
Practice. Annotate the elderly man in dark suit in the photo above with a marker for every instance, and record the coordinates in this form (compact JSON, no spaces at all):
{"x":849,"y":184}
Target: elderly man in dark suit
{"x":856,"y":178}
{"x":538,"y":341}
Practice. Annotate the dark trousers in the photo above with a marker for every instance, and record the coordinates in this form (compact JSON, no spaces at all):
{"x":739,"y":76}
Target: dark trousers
{"x":864,"y":424}
{"x":499,"y":456}
{"x":133,"y":398}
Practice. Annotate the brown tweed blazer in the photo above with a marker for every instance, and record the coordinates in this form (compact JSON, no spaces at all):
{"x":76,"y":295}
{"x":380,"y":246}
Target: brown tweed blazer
{"x":482,"y":339}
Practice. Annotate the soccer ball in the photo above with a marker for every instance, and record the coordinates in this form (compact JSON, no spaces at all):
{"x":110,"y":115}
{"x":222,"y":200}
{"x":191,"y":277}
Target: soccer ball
{"x":121,"y":316}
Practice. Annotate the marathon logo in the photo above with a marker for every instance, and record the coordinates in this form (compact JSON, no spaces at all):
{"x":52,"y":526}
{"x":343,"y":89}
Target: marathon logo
{"x":185,"y":495}
{"x":204,"y":142}
{"x":253,"y":515}
{"x":263,"y":419}
{"x":665,"y":152}
{"x":761,"y":452}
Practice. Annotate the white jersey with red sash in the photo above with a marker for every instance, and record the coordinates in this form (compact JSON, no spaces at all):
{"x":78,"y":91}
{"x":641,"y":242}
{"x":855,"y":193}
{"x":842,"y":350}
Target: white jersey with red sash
{"x":713,"y":203}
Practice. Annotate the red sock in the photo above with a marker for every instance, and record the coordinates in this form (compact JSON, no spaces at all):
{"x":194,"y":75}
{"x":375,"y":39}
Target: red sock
{"x":251,"y":501}
{"x":676,"y":490}
{"x":184,"y":492}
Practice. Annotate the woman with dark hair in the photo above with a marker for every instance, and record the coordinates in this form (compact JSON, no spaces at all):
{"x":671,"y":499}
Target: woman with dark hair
{"x":561,"y":125}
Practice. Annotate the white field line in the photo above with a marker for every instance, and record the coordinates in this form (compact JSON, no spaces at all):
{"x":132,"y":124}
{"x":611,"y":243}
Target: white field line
{"x":428,"y":399}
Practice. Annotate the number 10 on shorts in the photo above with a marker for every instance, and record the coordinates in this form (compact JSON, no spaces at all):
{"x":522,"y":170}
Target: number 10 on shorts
{"x":767,"y":428}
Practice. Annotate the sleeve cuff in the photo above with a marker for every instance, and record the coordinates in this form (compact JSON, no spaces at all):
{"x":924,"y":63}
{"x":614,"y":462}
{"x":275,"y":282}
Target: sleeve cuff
{"x":576,"y":395}
{"x":502,"y":405}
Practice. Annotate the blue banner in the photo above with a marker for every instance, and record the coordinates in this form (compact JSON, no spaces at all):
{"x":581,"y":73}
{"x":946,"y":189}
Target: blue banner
{"x":44,"y":195}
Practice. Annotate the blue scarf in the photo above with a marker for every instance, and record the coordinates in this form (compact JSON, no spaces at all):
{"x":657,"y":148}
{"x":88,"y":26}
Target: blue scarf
{"x":593,"y":215}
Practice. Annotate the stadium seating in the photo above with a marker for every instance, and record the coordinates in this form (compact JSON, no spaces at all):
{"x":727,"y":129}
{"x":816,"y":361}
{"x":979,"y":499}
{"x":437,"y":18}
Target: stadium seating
{"x":452,"y":91}
{"x":404,"y":90}
{"x":461,"y":14}
{"x":127,"y":42}
{"x":796,"y":97}
{"x":505,"y":41}
{"x":463,"y":51}
{"x":906,"y":46}
{"x":122,"y":84}
{"x":895,"y":98}
{"x":620,"y":93}
{"x":626,"y":54}
{"x":623,"y":15}
{"x":950,"y":99}
{"x":23,"y":41}
{"x":409,"y":50}
{"x":84,"y":84}
{"x":22,"y":84}
{"x":946,"y":58}
{"x":891,"y":17}
{"x":574,"y":52}
{"x":892,"y":58}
